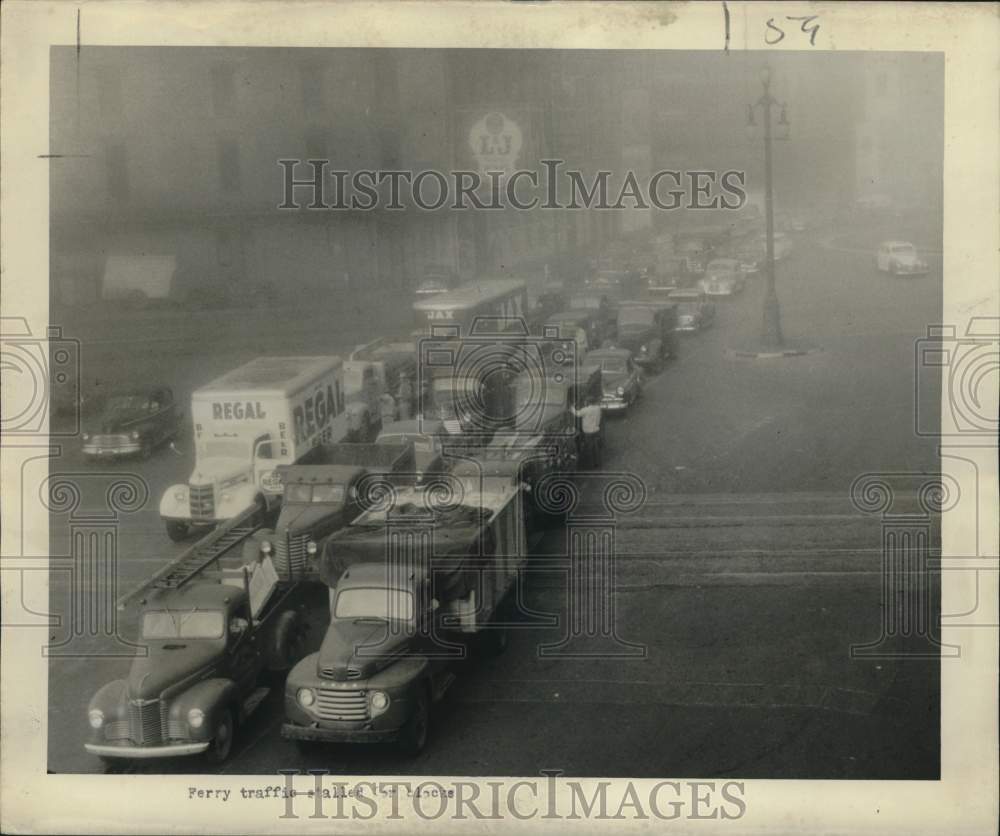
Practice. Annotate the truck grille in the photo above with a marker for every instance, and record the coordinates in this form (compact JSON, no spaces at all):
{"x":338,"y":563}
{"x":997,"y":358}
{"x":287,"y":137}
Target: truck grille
{"x":290,"y":555}
{"x":144,"y":721}
{"x":202,"y":502}
{"x":177,"y":730}
{"x":117,"y":730}
{"x":335,"y":704}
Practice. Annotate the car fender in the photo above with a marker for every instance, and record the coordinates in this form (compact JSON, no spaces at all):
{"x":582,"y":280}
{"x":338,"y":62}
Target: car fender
{"x":211,"y":696}
{"x":174,"y":508}
{"x":110,"y":698}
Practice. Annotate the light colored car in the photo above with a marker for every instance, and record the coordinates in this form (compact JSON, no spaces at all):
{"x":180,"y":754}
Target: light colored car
{"x":899,"y":258}
{"x":723,"y":277}
{"x":694,"y":311}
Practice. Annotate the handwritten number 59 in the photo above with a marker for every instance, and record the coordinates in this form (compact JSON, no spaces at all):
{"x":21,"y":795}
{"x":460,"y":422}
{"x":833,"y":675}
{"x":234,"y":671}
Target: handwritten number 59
{"x":775,"y":34}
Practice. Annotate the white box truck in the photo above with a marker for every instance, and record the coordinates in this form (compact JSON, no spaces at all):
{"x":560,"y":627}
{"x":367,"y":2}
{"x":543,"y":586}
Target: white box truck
{"x":271,"y":411}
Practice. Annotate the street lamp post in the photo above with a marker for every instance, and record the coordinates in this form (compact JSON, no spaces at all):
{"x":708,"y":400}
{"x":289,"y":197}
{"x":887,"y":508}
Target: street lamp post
{"x":771,"y":334}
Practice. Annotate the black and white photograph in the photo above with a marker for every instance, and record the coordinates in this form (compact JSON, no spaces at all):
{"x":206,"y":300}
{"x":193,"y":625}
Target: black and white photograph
{"x":595,"y":415}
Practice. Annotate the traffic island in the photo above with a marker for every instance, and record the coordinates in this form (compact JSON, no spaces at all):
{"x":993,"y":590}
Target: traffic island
{"x":756,"y":350}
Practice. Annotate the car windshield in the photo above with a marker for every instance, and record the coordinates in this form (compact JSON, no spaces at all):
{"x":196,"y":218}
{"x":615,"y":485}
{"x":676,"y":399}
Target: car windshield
{"x":635,"y":316}
{"x":421,"y":443}
{"x":614,"y":365}
{"x":374,"y":602}
{"x":314,"y":493}
{"x":224,"y":449}
{"x":178,"y":624}
{"x":906,"y":249}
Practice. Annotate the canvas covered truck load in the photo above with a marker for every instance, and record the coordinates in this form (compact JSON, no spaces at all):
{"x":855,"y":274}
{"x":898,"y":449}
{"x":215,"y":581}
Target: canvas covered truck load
{"x":215,"y":626}
{"x":269,"y":412}
{"x":321,"y":497}
{"x":414,"y":589}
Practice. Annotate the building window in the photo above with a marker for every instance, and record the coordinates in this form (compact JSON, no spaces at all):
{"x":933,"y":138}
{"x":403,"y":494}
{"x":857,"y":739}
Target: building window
{"x":229,"y":165}
{"x":223,"y":90}
{"x":117,"y":164}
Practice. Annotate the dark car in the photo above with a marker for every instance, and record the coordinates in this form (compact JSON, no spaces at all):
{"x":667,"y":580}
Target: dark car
{"x":620,"y":378}
{"x":694,"y":311}
{"x":134,"y":422}
{"x":646,"y":330}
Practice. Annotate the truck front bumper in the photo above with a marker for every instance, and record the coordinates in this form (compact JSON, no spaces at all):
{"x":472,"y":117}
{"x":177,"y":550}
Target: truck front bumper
{"x":172,"y":750}
{"x":317,"y":733}
{"x":614,"y":404}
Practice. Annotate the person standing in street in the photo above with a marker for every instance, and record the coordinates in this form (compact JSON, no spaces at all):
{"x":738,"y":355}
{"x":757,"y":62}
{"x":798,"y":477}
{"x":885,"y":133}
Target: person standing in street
{"x":589,"y":416}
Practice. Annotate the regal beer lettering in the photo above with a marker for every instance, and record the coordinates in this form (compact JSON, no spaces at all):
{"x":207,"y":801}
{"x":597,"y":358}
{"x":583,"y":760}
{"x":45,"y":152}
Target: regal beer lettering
{"x":316,"y":412}
{"x":238,"y":410}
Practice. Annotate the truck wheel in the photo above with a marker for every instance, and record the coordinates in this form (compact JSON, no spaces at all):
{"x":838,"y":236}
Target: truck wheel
{"x":287,"y":642}
{"x":413,"y":736}
{"x":222,"y":742}
{"x":177,"y":531}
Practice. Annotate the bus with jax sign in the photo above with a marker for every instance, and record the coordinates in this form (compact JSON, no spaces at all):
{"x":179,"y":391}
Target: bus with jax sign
{"x":271,"y":411}
{"x":452,"y":314}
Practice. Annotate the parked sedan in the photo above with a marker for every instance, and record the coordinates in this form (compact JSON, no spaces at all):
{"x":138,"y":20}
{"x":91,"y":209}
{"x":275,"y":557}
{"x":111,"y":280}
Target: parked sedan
{"x":723,"y":277}
{"x":694,"y":311}
{"x":620,"y":378}
{"x":133,"y":422}
{"x":899,"y":258}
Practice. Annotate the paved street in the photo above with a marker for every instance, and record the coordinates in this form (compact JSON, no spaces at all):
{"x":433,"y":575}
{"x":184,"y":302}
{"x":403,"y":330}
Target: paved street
{"x":744,"y":580}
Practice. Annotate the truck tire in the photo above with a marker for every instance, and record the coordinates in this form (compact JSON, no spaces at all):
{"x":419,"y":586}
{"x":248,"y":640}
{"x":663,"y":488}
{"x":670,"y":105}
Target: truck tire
{"x":413,"y":735}
{"x":177,"y":531}
{"x":286,"y":642}
{"x":222,"y":741}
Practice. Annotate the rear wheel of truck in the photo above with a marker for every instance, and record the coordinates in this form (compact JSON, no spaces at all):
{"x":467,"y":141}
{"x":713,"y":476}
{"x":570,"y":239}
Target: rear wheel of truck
{"x":177,"y":531}
{"x":288,"y":641}
{"x":222,"y":742}
{"x":413,"y":736}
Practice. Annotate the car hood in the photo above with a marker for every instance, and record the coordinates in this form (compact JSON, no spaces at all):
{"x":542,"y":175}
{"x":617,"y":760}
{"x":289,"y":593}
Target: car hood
{"x":610,"y":382}
{"x":169,"y":663}
{"x":359,"y":648}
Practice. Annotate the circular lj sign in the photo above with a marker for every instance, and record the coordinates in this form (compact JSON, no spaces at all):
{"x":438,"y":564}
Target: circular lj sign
{"x":496,"y":142}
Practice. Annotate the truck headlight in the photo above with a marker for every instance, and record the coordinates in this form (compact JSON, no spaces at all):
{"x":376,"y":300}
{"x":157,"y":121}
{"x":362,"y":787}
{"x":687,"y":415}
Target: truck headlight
{"x":180,"y":495}
{"x":305,"y":696}
{"x":265,"y":547}
{"x":226,"y":497}
{"x":643,"y":349}
{"x":96,"y":718}
{"x":196,"y":718}
{"x":379,"y":702}
{"x":620,"y":391}
{"x":85,"y":436}
{"x":134,"y":435}
{"x":311,"y":548}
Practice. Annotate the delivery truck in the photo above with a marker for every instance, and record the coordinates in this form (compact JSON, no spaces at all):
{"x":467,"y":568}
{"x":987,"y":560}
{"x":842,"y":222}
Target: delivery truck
{"x":321,"y":497}
{"x":414,"y":587}
{"x":269,"y":412}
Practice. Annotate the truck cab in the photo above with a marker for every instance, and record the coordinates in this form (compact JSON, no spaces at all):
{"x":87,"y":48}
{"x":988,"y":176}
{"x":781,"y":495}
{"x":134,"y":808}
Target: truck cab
{"x":209,"y":642}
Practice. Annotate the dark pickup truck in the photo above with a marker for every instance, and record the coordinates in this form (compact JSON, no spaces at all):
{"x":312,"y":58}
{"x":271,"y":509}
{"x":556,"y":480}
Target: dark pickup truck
{"x":322,"y":497}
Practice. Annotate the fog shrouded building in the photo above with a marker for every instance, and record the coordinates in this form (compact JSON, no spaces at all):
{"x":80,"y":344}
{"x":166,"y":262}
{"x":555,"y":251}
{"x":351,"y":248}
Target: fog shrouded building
{"x":174,"y":151}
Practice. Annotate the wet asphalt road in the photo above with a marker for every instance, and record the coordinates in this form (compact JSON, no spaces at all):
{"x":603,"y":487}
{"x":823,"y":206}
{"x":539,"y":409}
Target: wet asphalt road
{"x":741,"y":584}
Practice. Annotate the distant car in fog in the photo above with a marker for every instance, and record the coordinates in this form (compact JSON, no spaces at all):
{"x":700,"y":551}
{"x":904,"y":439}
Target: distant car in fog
{"x":723,"y":277}
{"x":436,"y":282}
{"x":899,"y":258}
{"x":132,"y":422}
{"x":694,"y":311}
{"x":697,"y":253}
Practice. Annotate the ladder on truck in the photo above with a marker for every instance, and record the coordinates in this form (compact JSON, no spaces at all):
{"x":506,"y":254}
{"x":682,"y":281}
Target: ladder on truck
{"x":196,"y":559}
